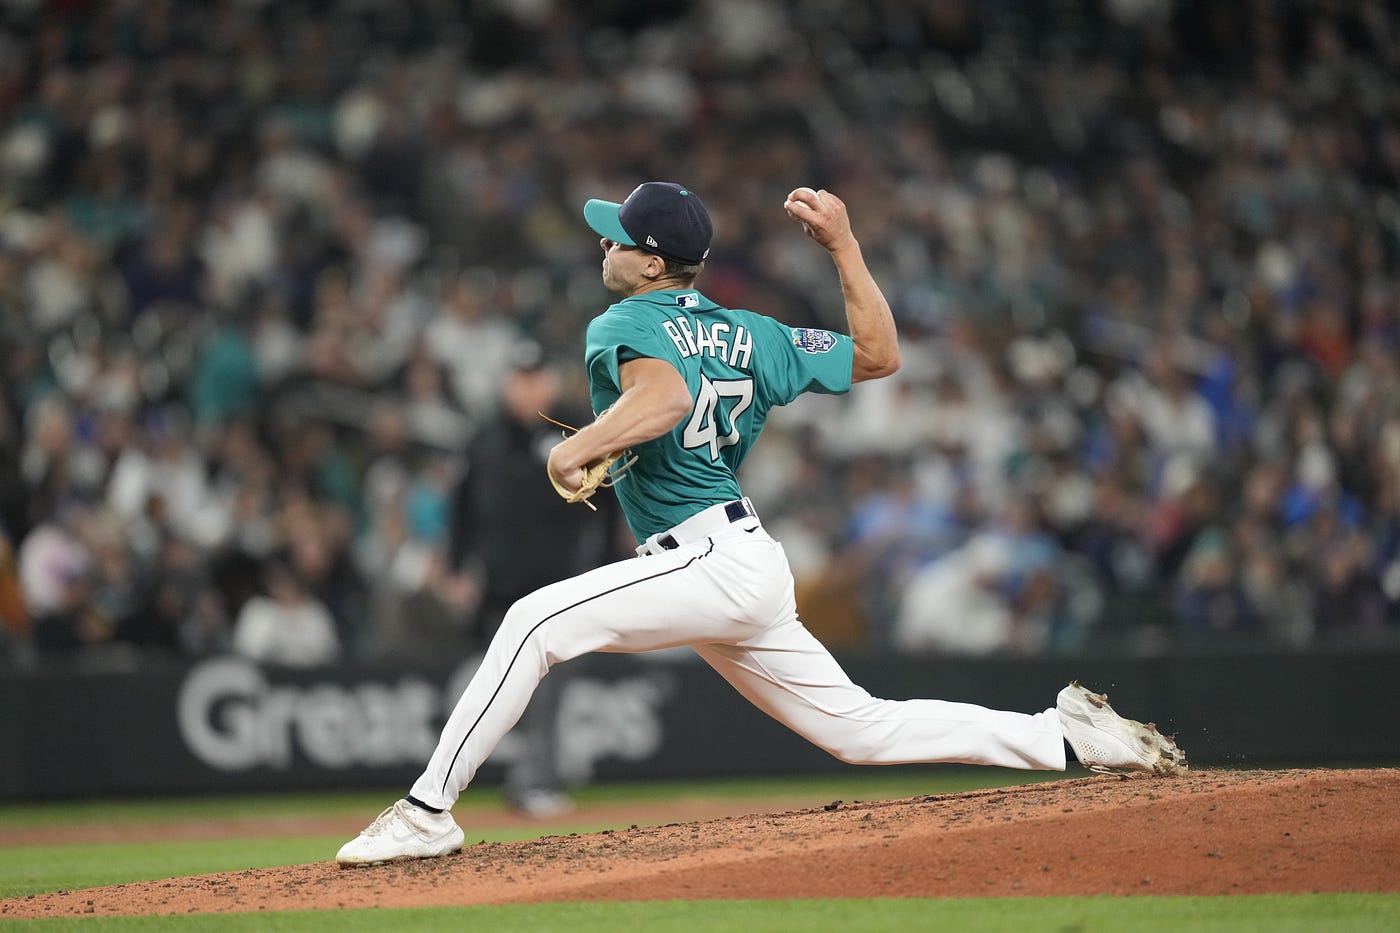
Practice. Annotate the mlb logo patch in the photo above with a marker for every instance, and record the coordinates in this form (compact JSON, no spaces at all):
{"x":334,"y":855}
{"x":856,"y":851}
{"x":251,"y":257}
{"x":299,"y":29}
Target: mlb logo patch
{"x":811,"y":340}
{"x":688,"y":300}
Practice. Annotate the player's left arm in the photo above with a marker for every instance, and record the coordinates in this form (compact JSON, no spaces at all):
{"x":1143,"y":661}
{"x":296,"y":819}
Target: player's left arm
{"x":824,"y":219}
{"x":654,"y":399}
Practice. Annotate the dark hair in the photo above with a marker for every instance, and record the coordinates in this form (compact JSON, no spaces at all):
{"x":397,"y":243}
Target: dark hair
{"x":681,"y":270}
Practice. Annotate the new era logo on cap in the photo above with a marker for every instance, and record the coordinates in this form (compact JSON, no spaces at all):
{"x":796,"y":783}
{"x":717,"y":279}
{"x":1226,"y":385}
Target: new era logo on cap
{"x":660,"y":217}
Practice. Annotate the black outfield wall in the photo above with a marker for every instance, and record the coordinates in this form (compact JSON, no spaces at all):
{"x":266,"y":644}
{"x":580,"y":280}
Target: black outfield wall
{"x":228,"y":725}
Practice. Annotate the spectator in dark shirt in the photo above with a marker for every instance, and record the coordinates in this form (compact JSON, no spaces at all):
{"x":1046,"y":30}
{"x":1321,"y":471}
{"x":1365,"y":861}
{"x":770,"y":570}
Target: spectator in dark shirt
{"x":508,"y":524}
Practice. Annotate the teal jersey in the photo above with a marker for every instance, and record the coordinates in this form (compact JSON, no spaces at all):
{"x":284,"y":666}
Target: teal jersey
{"x":737,"y":364}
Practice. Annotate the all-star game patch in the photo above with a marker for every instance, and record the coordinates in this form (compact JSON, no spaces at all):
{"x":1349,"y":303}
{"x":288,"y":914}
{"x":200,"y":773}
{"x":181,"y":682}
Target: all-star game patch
{"x":810,"y":340}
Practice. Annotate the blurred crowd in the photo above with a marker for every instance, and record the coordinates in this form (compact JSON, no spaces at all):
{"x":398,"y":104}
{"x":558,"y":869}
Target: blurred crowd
{"x":263,"y":266}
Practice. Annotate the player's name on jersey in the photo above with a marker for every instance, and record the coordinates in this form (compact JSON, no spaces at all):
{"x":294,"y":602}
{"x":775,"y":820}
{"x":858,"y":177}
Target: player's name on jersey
{"x":731,"y":343}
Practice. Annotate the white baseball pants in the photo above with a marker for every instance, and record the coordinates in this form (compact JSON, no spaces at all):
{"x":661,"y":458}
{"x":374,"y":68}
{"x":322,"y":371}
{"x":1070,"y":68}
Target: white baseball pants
{"x":727,"y":592}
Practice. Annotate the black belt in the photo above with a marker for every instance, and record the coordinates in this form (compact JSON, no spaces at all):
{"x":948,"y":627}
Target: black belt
{"x":739,"y":508}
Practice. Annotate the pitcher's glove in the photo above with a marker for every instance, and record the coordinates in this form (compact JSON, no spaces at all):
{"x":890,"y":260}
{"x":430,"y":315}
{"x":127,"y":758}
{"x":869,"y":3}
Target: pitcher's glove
{"x":600,"y":474}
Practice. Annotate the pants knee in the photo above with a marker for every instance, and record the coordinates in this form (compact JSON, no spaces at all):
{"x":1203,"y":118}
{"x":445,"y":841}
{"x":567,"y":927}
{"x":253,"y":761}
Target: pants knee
{"x":526,"y":627}
{"x":855,"y":740}
{"x":853,"y":753}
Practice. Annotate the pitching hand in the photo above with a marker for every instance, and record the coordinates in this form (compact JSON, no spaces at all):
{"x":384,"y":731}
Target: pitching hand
{"x":822,"y":215}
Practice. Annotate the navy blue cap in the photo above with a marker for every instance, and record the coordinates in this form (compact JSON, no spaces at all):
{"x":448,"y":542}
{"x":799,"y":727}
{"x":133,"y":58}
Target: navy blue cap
{"x":659,"y":217}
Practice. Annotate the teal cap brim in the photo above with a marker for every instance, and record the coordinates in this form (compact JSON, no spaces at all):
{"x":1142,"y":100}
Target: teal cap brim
{"x":602,"y":217}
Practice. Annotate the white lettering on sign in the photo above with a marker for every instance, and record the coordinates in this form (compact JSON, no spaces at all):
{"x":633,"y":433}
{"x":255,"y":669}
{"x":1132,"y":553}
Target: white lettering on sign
{"x":233,"y":719}
{"x":599,"y":720}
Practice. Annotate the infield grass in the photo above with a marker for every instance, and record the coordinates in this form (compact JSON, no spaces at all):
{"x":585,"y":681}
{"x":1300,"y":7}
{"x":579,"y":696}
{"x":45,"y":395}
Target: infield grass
{"x":1274,"y":913}
{"x":809,"y":789}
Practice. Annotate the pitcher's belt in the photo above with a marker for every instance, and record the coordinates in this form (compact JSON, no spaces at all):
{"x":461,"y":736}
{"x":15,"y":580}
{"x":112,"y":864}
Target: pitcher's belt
{"x":705,"y":523}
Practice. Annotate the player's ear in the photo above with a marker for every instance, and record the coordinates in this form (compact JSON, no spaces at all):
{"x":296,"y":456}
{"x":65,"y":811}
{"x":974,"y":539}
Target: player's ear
{"x":656,"y":266}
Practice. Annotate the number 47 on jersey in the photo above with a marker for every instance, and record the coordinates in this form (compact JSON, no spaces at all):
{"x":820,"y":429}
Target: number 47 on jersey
{"x":718,"y":407}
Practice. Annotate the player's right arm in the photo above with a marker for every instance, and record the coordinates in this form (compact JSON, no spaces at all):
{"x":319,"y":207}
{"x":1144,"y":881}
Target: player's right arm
{"x":823,"y":217}
{"x":654,"y":399}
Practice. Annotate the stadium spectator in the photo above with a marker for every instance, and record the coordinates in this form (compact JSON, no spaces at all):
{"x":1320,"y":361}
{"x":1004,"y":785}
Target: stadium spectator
{"x":510,"y":536}
{"x":286,"y":624}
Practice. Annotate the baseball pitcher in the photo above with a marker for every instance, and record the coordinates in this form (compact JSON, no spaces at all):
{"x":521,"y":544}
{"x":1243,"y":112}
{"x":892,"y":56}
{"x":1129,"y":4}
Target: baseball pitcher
{"x":684,"y":387}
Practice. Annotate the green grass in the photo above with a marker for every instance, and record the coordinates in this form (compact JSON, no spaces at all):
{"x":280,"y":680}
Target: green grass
{"x":1271,"y":913}
{"x":859,"y":784}
{"x":35,"y":869}
{"x":40,"y":868}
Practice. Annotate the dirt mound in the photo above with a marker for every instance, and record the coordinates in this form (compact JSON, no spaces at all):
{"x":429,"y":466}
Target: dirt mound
{"x":1211,"y":832}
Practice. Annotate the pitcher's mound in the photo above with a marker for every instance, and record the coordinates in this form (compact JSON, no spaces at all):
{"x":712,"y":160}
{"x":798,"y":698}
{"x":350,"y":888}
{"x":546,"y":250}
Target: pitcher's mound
{"x":1209,"y":832}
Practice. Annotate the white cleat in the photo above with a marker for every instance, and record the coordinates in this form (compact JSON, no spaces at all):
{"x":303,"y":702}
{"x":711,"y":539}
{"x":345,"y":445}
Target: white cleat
{"x":403,"y":831}
{"x":1106,"y":742}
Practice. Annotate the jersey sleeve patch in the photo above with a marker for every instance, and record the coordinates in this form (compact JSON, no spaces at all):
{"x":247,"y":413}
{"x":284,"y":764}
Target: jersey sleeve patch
{"x":811,"y":340}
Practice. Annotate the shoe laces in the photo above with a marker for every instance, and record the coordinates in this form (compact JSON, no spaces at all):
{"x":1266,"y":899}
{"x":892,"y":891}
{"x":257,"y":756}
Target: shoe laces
{"x":381,"y":822}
